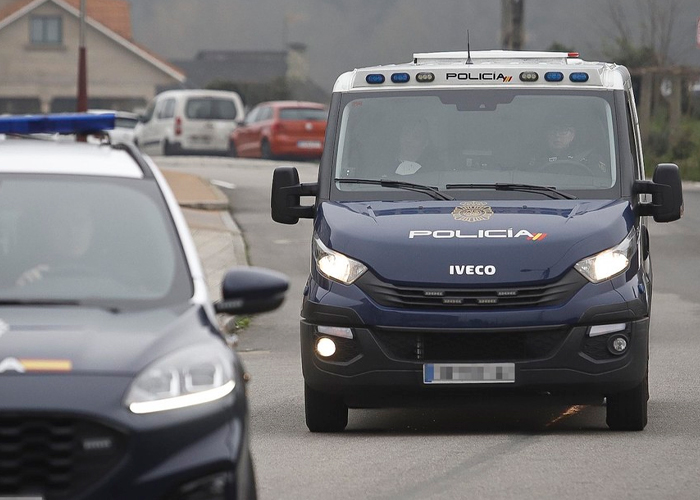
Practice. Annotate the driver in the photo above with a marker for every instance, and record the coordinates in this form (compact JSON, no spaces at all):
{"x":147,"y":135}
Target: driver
{"x":564,"y":145}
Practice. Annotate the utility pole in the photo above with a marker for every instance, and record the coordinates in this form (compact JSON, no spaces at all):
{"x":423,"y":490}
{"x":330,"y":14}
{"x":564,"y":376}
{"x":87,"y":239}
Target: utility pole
{"x":82,"y":64}
{"x":512,"y":15}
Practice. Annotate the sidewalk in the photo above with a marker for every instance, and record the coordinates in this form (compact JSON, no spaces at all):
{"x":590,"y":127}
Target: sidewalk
{"x":219,"y":240}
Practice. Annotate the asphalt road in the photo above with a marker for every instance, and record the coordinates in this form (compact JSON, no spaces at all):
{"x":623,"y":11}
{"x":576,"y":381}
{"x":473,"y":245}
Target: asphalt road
{"x":484,"y":451}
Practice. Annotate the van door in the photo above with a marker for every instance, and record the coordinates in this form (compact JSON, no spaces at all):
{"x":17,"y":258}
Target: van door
{"x":208,"y":122}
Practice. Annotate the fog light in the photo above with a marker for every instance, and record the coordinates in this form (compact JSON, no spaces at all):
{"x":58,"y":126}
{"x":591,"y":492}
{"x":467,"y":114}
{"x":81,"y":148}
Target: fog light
{"x":618,"y":344}
{"x":325,"y":347}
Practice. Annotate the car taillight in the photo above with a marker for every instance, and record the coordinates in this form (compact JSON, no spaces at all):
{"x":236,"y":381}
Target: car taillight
{"x":178,"y":125}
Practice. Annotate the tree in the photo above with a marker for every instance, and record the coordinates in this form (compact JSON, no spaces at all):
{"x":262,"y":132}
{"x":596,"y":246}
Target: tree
{"x":648,"y":43}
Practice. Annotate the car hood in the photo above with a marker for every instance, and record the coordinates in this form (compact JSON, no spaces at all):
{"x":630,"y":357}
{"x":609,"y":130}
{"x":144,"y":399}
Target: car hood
{"x":91,"y":340}
{"x":435,"y":241}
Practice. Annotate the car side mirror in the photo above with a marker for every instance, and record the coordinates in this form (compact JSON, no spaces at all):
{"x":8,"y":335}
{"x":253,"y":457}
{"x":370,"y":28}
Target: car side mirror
{"x":666,"y":194}
{"x":286,"y":196}
{"x":250,"y":290}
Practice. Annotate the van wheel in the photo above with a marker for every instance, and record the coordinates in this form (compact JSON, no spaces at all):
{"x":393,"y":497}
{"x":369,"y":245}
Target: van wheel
{"x":168,"y":150}
{"x":324,"y":413}
{"x":265,"y":150}
{"x":627,"y":410}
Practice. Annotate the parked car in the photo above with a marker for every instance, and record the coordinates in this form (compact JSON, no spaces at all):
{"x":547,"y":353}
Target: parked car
{"x":115,"y":380}
{"x":189,"y":121}
{"x":124,"y":125}
{"x":281,"y":129}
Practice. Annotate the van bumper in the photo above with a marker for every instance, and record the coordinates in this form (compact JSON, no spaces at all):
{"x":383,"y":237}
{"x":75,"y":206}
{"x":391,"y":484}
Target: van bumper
{"x":385,"y":367}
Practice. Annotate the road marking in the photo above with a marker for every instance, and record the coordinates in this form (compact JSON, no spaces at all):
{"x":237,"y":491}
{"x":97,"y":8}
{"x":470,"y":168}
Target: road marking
{"x":223,"y":184}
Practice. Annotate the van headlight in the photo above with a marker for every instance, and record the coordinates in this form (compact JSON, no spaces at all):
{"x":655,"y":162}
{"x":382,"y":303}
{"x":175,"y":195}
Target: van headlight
{"x":188,"y":377}
{"x":611,"y":262}
{"x":335,"y":265}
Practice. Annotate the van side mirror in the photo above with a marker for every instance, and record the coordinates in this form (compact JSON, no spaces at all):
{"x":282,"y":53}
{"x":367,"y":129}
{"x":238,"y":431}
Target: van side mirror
{"x":249,"y":290}
{"x":666,"y":194}
{"x":286,"y":196}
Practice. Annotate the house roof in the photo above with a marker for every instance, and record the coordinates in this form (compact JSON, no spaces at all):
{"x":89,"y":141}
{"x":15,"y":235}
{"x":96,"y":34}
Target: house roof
{"x":110,"y":17}
{"x":236,"y":66}
{"x":114,"y":14}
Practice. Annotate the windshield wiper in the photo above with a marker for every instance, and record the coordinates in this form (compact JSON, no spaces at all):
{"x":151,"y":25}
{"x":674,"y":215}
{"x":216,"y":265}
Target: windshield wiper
{"x":545,"y":190}
{"x":409,"y":186}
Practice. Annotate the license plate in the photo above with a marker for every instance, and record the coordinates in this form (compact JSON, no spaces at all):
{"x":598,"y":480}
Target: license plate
{"x":201,"y":139}
{"x":309,"y":144}
{"x":484,"y":373}
{"x":30,"y":497}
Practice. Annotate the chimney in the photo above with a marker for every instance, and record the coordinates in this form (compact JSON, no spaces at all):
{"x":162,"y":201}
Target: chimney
{"x":297,"y":63}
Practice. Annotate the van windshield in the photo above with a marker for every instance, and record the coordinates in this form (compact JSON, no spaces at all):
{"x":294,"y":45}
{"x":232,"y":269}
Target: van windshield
{"x":450,"y":139}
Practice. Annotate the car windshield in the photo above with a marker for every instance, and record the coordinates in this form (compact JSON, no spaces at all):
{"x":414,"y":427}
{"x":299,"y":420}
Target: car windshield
{"x":309,"y":114}
{"x":470,"y":139}
{"x":108,"y":242}
{"x":210,"y":108}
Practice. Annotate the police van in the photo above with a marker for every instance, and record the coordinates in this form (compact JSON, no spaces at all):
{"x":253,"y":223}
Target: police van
{"x":479,"y":228}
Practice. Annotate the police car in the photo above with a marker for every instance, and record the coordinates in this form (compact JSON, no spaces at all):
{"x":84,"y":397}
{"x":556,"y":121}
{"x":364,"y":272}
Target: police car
{"x":480,"y":227}
{"x":115,"y":382}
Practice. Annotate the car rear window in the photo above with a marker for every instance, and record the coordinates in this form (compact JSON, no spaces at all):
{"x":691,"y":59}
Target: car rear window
{"x":310,"y":114}
{"x":210,"y":108}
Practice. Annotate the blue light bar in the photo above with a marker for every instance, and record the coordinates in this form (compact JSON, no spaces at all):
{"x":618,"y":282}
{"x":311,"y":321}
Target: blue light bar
{"x":374,"y":78}
{"x":68,"y":123}
{"x":400,"y":77}
{"x":554,"y":76}
{"x":578,"y":77}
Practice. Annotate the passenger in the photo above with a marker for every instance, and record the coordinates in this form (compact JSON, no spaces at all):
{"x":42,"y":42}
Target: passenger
{"x":564,"y":150}
{"x":415,"y":151}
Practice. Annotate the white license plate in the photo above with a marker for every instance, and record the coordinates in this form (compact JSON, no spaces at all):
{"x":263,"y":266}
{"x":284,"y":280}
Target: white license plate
{"x":309,"y":144}
{"x":462,"y":373}
{"x":201,"y":139}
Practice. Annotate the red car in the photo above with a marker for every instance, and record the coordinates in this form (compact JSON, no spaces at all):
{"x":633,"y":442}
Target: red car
{"x":281,"y":129}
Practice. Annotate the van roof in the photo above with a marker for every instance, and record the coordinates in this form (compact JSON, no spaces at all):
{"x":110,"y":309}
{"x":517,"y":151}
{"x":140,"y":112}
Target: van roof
{"x":491,"y":68}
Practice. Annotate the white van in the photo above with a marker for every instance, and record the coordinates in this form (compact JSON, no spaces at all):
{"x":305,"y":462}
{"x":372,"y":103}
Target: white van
{"x":189,"y":121}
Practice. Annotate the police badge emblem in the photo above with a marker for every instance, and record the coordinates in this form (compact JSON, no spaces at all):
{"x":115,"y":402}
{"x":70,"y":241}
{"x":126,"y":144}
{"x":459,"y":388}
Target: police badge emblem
{"x":472,"y":211}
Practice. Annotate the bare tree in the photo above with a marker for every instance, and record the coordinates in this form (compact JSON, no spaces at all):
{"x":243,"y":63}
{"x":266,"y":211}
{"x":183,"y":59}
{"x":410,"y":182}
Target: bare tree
{"x":644,"y":31}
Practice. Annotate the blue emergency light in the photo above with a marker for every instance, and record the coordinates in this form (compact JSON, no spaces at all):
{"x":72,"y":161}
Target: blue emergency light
{"x":374,"y":78}
{"x":554,"y":76}
{"x":65,"y":123}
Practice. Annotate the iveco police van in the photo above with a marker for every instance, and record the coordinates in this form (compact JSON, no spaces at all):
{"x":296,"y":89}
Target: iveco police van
{"x":480,"y":227}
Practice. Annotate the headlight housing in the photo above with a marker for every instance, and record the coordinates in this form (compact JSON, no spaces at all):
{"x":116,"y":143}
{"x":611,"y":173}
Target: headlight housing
{"x":611,"y":262}
{"x":188,"y":377}
{"x":334,"y":265}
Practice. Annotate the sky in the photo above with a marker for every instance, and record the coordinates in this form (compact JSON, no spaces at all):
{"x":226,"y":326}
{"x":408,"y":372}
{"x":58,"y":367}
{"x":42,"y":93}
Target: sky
{"x":344,"y":34}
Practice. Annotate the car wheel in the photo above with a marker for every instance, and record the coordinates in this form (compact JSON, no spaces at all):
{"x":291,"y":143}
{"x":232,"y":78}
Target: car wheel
{"x":251,"y":488}
{"x":232,"y":149}
{"x":265,"y":150}
{"x":627,"y":410}
{"x":324,"y":413}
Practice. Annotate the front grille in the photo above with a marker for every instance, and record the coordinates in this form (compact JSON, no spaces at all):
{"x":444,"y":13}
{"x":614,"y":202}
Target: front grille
{"x":55,"y":457}
{"x":468,"y":346}
{"x":549,"y":294}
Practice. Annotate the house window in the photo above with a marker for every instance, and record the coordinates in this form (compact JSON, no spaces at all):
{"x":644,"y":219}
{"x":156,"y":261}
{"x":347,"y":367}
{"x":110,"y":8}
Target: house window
{"x":46,"y":30}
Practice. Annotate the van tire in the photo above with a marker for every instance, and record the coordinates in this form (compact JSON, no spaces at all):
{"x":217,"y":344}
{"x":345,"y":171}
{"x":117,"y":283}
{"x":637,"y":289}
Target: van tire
{"x":168,"y":150}
{"x":627,"y":410}
{"x":324,"y":413}
{"x":265,"y":150}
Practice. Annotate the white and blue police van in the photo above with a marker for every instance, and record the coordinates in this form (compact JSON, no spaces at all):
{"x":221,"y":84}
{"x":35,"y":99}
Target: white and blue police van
{"x":479,"y":228}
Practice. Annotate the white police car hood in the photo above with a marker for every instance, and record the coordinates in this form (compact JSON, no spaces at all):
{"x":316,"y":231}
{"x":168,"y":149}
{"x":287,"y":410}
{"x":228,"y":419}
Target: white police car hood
{"x":480,"y":242}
